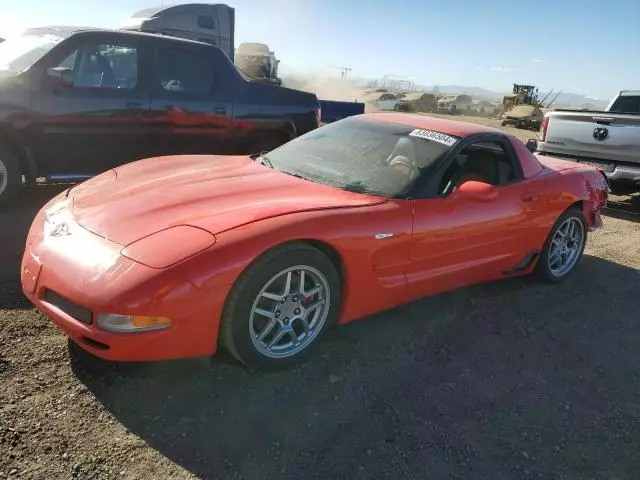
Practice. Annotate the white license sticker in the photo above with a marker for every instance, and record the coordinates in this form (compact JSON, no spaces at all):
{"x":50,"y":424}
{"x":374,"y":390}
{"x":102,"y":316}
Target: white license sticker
{"x":443,"y":138}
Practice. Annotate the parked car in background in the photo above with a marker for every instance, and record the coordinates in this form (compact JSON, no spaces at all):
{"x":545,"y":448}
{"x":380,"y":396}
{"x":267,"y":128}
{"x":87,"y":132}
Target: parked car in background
{"x":484,"y":107}
{"x":375,"y":97}
{"x":410,"y":102}
{"x":523,"y":116}
{"x":174,"y":257}
{"x":393,"y":104}
{"x":609,"y":138}
{"x":76,"y":102}
{"x":455,"y":103}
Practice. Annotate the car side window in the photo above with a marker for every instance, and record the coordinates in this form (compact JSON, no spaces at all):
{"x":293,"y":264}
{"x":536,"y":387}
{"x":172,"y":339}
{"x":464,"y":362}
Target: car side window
{"x":485,"y":161}
{"x":107,"y":65}
{"x":182,"y":70}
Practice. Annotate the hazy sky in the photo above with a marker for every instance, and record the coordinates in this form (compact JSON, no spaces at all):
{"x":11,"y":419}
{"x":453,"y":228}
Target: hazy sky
{"x":582,"y":46}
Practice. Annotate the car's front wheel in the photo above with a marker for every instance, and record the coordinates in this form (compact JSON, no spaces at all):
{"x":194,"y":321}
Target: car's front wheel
{"x":564,"y":247}
{"x":280,"y":305}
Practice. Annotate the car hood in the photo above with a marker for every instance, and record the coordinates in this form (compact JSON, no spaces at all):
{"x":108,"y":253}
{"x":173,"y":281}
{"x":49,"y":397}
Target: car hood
{"x":215,"y":193}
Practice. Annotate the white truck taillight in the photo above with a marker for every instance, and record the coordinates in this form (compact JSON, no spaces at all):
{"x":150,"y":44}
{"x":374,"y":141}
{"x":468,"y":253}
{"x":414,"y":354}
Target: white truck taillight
{"x":543,"y":128}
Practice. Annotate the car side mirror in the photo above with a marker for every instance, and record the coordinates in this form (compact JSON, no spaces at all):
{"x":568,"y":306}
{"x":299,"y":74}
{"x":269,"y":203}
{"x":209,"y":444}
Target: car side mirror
{"x":532,"y":145}
{"x":62,"y":75}
{"x":476,"y":191}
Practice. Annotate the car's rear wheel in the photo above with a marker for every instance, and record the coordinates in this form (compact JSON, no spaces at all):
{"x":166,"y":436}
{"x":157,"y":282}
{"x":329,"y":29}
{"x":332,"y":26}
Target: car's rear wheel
{"x":564,"y":247}
{"x":10,"y":174}
{"x":280,"y":306}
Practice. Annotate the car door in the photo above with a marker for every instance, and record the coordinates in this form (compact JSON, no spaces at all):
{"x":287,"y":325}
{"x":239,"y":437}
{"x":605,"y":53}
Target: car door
{"x":191,"y":100}
{"x":92,"y":120}
{"x":461,"y":238}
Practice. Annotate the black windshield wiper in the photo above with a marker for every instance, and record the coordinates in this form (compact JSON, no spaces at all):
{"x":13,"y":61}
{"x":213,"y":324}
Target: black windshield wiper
{"x":263,"y":159}
{"x":297,"y":175}
{"x":359,"y":187}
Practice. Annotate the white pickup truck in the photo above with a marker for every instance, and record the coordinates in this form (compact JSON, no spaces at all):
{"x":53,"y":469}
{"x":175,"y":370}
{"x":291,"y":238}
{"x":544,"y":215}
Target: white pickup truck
{"x":609,"y":139}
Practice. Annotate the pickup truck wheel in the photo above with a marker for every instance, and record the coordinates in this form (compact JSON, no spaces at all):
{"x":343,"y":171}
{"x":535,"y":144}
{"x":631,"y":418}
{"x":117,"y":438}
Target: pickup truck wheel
{"x":10,"y":175}
{"x":622,"y":188}
{"x":563,"y":248}
{"x":280,"y":306}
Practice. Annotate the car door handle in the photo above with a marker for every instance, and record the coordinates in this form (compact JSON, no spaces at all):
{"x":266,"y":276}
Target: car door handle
{"x":220,"y":109}
{"x":529,"y":197}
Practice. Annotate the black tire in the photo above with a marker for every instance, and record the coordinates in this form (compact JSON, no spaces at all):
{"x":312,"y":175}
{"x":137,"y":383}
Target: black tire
{"x":235,"y":327}
{"x":10,"y":175}
{"x":622,"y":188}
{"x":543,"y":270}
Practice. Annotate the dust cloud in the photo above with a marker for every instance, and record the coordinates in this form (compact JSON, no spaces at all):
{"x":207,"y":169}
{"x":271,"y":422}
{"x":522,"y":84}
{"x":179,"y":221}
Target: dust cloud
{"x":325,"y":88}
{"x":329,"y":88}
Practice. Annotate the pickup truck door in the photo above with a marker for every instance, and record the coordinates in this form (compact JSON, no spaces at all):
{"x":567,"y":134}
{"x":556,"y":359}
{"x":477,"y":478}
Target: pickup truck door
{"x":459,"y":240}
{"x":96,"y":121}
{"x":191,"y":101}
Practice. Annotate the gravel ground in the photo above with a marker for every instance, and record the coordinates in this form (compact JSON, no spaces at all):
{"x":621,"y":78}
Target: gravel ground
{"x":507,"y":380}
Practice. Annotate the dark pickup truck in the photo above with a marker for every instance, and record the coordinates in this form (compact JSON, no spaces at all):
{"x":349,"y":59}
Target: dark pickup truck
{"x":332,"y":110}
{"x":77,"y":101}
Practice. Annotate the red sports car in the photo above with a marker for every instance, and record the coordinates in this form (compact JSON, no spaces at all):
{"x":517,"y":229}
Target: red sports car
{"x":175,"y":256}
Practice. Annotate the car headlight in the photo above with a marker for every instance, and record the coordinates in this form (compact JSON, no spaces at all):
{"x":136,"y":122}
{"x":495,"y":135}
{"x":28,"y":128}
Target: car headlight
{"x":170,"y":246}
{"x":132,"y":323}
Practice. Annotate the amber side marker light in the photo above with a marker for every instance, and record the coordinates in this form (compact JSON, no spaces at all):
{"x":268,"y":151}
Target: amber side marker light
{"x":132,"y":323}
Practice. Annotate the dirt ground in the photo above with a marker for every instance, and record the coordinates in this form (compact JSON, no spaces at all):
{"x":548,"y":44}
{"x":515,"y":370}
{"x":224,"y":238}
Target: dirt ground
{"x":507,"y":380}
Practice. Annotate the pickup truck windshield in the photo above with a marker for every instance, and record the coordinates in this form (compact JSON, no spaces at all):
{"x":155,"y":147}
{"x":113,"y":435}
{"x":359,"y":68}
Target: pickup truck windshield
{"x":19,"y":53}
{"x":362,"y":155}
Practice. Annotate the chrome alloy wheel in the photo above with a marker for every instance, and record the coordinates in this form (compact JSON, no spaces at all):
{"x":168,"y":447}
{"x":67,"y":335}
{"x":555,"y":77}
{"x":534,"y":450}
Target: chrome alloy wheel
{"x":566,"y":246}
{"x":289,"y":311}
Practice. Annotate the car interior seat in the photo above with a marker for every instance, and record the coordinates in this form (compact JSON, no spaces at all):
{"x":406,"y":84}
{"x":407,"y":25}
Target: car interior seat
{"x":403,"y":148}
{"x":404,"y":153}
{"x":481,"y":166}
{"x":99,"y":72}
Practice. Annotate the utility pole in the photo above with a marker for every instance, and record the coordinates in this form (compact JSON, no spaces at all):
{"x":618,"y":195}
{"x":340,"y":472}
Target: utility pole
{"x":344,"y":73}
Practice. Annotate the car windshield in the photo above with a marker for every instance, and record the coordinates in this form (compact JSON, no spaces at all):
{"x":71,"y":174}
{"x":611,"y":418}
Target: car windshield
{"x":362,"y":155}
{"x":19,"y":53}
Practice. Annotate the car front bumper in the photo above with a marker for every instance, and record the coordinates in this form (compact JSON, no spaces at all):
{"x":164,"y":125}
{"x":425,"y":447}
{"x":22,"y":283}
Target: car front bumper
{"x":73,"y":277}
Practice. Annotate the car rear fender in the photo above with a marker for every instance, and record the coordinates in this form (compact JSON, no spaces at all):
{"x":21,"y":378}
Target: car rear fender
{"x":586,"y":188}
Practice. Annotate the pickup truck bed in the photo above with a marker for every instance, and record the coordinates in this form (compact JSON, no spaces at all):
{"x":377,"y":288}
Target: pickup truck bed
{"x":603,"y":138}
{"x":332,"y":110}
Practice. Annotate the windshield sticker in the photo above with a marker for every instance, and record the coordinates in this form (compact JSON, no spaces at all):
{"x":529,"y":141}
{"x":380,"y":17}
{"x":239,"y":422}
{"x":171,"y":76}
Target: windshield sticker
{"x":443,"y":138}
